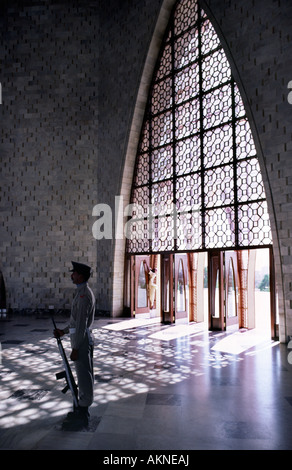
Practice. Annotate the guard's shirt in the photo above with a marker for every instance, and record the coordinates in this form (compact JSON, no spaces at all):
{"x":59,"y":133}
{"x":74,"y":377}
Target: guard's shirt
{"x":82,"y":316}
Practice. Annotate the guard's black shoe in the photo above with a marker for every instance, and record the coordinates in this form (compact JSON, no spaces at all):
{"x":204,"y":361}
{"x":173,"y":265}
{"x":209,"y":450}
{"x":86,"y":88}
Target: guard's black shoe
{"x":76,"y":420}
{"x":73,"y":425}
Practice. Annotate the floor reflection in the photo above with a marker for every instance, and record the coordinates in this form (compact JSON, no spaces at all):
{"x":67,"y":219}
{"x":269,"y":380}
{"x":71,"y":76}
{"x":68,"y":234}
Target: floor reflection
{"x":159,"y":363}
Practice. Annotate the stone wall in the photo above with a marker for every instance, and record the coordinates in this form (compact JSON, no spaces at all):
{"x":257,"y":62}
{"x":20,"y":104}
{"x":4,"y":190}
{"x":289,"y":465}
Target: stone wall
{"x":49,"y":147}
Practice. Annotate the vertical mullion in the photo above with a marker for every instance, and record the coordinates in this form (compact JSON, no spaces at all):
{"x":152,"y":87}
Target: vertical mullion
{"x":203,"y":227}
{"x":173,"y":135}
{"x":150,"y":219}
{"x":236,"y":227}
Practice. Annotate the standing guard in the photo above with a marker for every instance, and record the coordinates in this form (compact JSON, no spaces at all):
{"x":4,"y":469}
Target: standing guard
{"x":79,"y":328}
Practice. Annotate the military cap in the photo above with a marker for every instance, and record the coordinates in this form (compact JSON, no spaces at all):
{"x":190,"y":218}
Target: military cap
{"x":81,"y":268}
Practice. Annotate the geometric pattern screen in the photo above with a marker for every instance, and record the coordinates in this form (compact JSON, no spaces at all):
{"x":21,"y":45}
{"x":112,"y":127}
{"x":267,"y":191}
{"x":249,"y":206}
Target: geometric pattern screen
{"x":197,"y":183}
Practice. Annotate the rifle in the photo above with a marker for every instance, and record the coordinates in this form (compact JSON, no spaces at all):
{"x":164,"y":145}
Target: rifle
{"x":67,"y":373}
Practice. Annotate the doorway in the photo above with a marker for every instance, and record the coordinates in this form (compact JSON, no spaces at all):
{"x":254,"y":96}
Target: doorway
{"x":141,"y":285}
{"x":158,"y":287}
{"x":142,"y":282}
{"x":221,"y":289}
{"x":174,"y":288}
{"x":242,"y":291}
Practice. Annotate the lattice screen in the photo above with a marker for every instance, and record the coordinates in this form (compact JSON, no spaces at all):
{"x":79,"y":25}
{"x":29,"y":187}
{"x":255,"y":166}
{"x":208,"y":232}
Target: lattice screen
{"x":197,"y":182}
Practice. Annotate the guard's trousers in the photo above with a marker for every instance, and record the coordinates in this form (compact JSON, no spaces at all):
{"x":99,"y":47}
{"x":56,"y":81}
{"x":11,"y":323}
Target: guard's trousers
{"x":85,"y":376}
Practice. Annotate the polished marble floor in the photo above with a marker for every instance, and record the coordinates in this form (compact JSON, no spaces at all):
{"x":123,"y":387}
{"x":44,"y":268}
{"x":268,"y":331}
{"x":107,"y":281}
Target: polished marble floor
{"x":156,"y":387}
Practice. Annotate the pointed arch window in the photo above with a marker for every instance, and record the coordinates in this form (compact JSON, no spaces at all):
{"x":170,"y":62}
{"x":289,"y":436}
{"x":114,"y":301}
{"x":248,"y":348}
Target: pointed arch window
{"x":197,"y":183}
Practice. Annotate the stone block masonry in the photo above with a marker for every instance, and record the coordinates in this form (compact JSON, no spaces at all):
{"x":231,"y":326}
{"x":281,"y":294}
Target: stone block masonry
{"x":49,"y":157}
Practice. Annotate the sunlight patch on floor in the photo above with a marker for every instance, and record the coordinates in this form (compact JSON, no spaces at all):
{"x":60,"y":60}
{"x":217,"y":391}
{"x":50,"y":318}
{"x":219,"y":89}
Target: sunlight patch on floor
{"x":177,"y":331}
{"x":133,"y":323}
{"x":240,"y":342}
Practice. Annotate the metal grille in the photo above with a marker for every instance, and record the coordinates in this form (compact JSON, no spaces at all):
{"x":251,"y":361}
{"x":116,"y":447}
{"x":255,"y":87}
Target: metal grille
{"x":197,"y":182}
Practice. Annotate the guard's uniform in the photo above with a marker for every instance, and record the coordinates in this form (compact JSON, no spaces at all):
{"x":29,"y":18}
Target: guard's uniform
{"x":81,"y":320}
